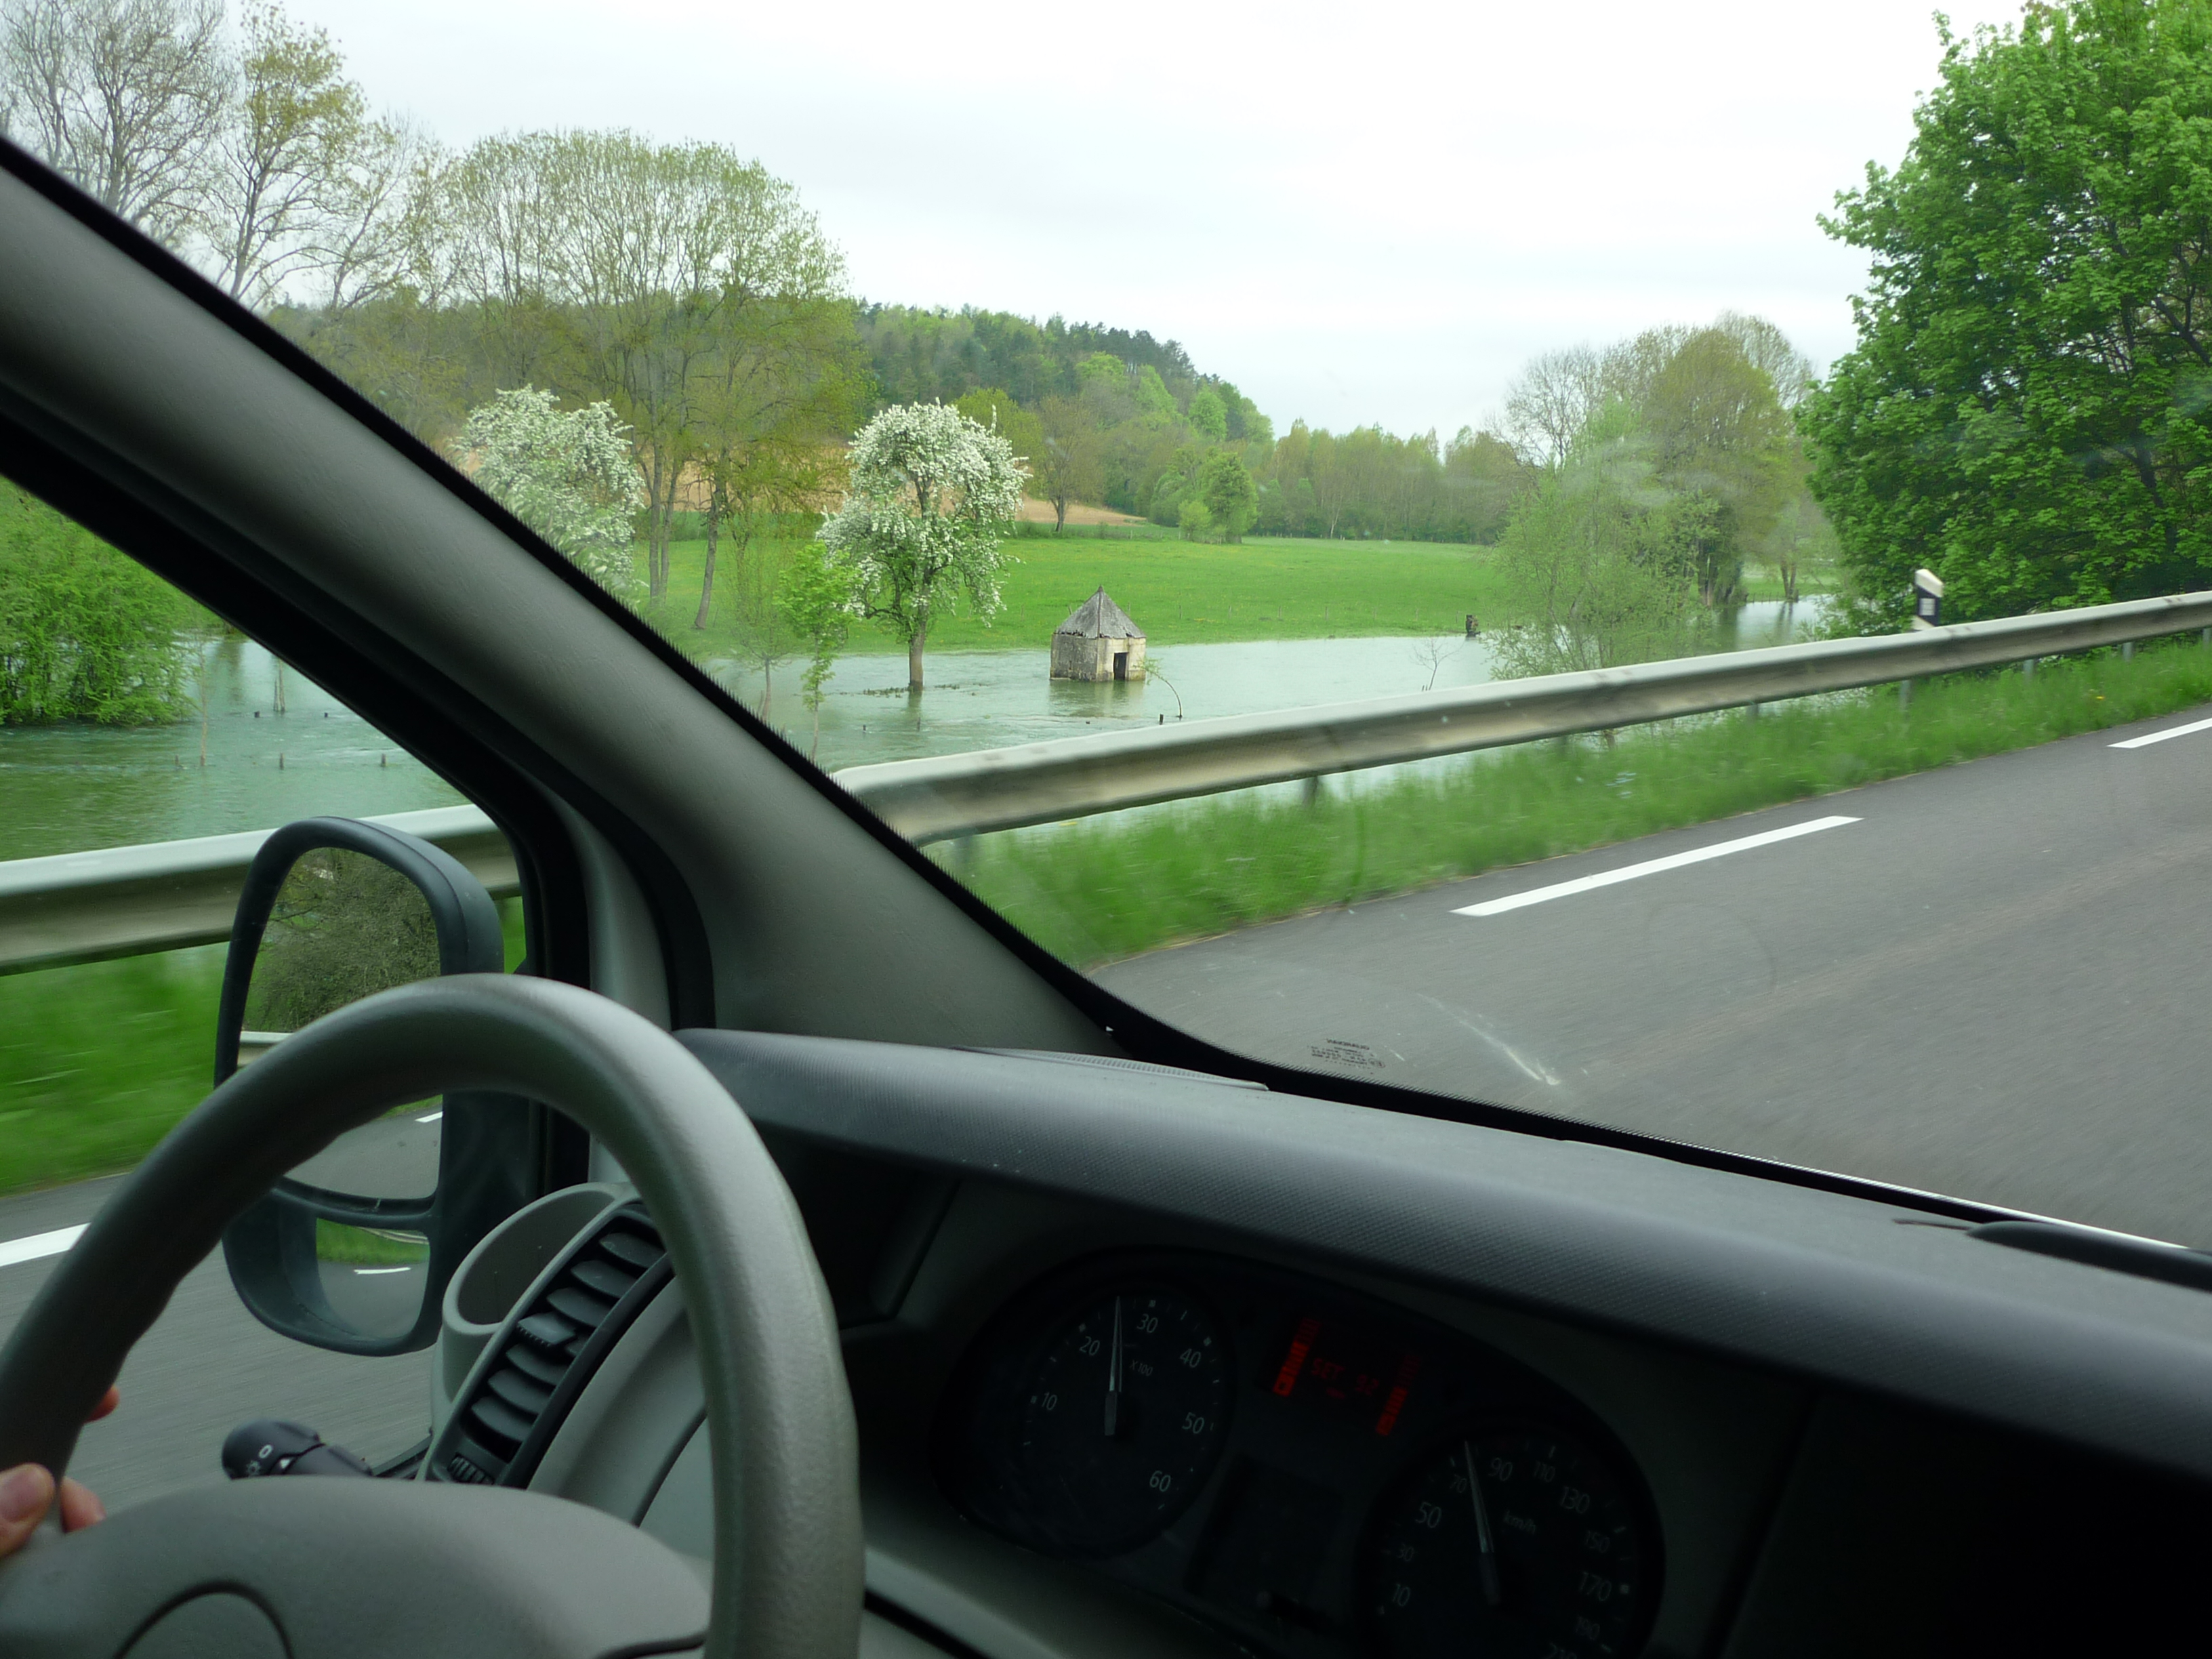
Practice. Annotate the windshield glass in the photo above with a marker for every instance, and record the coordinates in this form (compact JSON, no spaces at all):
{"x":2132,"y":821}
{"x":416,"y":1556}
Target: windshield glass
{"x":1561,"y":558}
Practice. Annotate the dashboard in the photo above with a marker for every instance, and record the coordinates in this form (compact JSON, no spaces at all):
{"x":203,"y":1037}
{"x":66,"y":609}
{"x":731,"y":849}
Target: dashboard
{"x":1102,"y":1413}
{"x":1311,"y":1469}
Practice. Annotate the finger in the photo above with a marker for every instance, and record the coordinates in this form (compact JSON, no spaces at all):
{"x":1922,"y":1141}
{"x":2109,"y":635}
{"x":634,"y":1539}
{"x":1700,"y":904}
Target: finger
{"x":80,"y":1508}
{"x":25,"y":1492}
{"x":108,"y":1402}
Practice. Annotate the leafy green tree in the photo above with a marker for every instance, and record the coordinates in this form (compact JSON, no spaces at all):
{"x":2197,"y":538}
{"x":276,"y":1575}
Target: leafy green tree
{"x":994,"y":409}
{"x":2026,"y":411}
{"x":1209,"y":416}
{"x":1193,"y":519}
{"x":1722,"y":442}
{"x":817,"y":607}
{"x":85,"y":632}
{"x":344,"y":926}
{"x":1226,"y":489}
{"x":283,"y":164}
{"x":778,"y":384}
{"x":1069,"y":463}
{"x":931,"y":500}
{"x":1597,"y":558}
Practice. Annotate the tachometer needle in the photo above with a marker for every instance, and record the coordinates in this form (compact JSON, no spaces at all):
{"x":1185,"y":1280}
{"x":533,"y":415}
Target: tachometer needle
{"x":1485,"y":1548}
{"x":1114,"y":1376}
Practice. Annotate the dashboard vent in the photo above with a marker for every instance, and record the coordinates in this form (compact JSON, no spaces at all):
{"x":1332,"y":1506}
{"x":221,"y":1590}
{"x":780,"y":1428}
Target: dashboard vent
{"x":548,"y":1351}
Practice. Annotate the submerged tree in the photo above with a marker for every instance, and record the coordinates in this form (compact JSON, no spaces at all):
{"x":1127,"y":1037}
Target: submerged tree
{"x":932,"y":498}
{"x":816,"y":600}
{"x":1598,"y":559}
{"x":85,"y":632}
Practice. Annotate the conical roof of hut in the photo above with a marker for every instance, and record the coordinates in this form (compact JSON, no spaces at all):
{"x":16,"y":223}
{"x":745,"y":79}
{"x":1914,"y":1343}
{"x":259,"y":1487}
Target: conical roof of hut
{"x":1099,"y":618}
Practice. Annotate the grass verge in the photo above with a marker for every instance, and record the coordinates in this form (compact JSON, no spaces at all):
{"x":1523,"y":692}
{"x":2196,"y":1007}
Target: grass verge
{"x":98,"y":1061}
{"x":1097,"y":891}
{"x":367,"y":1247}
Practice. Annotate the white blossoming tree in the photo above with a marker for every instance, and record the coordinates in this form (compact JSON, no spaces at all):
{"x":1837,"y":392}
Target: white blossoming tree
{"x":566,"y":473}
{"x":931,"y":496}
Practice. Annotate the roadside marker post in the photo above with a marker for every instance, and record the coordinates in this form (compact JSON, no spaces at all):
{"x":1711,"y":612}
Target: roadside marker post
{"x":1927,"y":600}
{"x":1926,"y":614}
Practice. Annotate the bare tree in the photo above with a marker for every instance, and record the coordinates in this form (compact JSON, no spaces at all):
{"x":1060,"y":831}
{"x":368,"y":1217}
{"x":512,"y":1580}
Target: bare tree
{"x":1770,"y":351}
{"x":380,"y":229}
{"x":126,"y":98}
{"x":1552,"y":401}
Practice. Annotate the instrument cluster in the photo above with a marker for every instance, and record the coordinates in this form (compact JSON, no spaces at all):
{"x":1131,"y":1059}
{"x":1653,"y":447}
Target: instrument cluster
{"x":1314,"y":1472}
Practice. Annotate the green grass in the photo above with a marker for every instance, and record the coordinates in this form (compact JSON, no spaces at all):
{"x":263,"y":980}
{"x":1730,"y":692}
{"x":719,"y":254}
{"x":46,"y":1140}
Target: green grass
{"x":1179,"y":592}
{"x":366,"y":1247}
{"x":1097,"y":891}
{"x":98,"y":1061}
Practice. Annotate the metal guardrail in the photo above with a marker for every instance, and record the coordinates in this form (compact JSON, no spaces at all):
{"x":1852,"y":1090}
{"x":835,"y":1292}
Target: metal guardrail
{"x":128,"y":901}
{"x":945,"y":796}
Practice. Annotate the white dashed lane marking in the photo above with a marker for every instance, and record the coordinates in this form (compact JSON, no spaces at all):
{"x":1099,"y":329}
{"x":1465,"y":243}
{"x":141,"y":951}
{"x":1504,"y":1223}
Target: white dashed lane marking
{"x":36,"y":1245}
{"x":1649,"y":867}
{"x":2150,"y":738}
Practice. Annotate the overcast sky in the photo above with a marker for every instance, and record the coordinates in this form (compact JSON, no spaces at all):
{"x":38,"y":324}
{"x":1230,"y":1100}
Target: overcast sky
{"x":1357,"y":215}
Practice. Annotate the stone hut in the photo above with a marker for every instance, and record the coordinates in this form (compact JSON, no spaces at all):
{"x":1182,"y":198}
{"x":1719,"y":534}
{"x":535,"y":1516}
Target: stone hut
{"x":1098,"y":642}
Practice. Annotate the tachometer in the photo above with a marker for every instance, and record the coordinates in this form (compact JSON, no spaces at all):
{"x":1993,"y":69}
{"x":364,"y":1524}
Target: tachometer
{"x":1509,"y":1542}
{"x":1122,"y":1418}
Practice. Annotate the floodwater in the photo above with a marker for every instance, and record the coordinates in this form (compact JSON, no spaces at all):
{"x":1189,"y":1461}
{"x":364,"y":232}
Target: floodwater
{"x":993,"y":699}
{"x":66,"y":788}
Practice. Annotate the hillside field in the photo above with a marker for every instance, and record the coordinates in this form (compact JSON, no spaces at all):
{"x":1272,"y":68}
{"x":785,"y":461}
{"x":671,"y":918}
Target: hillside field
{"x":1179,"y":592}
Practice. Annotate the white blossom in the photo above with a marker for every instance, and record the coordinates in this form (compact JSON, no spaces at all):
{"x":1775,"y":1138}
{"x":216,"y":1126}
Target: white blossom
{"x":930,"y":498}
{"x":566,"y":473}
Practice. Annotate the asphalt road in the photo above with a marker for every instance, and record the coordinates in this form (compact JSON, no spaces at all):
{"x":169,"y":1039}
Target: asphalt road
{"x":206,"y":1366}
{"x":1995,"y":984}
{"x":1992,"y":982}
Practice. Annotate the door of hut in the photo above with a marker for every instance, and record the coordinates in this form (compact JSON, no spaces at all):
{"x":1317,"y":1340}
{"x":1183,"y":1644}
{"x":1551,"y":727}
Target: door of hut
{"x":1121,"y":665}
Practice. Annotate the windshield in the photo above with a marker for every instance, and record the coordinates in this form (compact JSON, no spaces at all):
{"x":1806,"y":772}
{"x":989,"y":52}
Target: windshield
{"x":1600,"y":561}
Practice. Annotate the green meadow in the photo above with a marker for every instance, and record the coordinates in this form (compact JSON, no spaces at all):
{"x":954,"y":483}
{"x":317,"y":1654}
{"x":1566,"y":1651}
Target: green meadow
{"x":1179,"y":592}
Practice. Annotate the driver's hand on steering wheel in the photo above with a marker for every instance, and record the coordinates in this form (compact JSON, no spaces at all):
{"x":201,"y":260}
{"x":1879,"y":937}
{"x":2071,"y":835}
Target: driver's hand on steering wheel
{"x":27,"y":1490}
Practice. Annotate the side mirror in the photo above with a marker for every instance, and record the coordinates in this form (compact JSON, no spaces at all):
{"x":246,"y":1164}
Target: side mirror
{"x":352,"y":1250}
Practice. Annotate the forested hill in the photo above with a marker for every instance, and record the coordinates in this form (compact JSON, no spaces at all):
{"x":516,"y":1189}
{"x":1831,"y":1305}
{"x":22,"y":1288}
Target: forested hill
{"x":918,"y":355}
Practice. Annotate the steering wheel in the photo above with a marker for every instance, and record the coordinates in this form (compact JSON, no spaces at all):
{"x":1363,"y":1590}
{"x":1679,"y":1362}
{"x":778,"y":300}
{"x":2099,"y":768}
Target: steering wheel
{"x":334,"y":1568}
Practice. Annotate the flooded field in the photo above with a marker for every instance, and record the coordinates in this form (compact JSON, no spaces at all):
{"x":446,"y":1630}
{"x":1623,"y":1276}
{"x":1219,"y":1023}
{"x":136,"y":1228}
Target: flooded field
{"x":990,"y":699}
{"x":273,"y":758}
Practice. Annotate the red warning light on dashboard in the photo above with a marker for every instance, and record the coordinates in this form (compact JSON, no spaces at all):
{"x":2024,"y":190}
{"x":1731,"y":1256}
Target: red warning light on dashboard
{"x":1354,"y":1373}
{"x":1301,"y":1341}
{"x":1408,"y":1368}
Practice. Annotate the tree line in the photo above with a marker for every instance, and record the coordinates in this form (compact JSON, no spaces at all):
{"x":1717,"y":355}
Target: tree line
{"x":2025,"y":410}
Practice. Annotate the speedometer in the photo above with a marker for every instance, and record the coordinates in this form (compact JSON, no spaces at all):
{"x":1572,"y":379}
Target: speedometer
{"x":1509,"y":1541}
{"x":1122,"y":1418}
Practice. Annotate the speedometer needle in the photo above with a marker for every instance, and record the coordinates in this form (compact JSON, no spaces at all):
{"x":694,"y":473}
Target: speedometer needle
{"x":1114,"y":1376}
{"x":1487,"y":1549}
